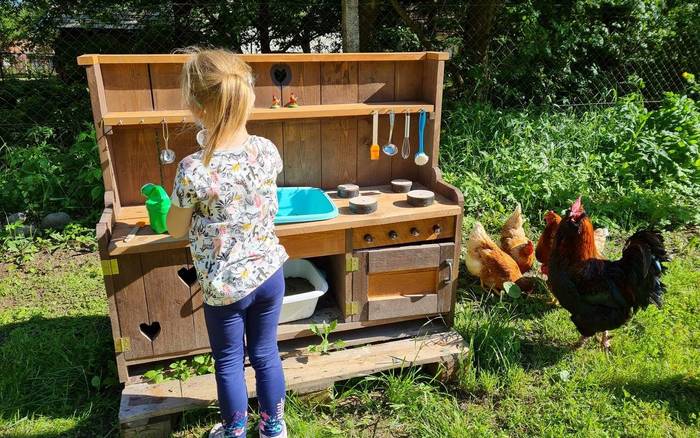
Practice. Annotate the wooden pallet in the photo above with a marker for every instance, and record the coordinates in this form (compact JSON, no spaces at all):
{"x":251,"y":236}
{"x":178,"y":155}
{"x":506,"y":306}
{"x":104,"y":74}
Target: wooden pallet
{"x":147,"y":410}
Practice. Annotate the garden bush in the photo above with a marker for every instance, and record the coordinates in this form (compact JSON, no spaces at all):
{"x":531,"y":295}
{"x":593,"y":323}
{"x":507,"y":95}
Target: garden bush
{"x":633,"y":165}
{"x":39,"y":176}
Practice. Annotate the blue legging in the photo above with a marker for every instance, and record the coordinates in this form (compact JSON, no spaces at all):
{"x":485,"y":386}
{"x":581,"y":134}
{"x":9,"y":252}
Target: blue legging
{"x":256,"y":315}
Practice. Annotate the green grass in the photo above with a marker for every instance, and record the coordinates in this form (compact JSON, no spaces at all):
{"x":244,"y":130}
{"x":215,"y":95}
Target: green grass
{"x":520,"y":378}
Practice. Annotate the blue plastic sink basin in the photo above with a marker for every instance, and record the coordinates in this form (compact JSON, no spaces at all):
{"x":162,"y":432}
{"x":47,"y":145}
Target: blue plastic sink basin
{"x":304,"y":204}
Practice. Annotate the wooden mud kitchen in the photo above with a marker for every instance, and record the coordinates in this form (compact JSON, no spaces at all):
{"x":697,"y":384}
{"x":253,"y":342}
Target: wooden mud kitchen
{"x":391,"y":272}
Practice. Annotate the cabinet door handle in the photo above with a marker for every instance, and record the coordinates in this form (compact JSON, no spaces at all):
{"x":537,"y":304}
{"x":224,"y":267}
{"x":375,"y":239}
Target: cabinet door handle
{"x":448,"y":279}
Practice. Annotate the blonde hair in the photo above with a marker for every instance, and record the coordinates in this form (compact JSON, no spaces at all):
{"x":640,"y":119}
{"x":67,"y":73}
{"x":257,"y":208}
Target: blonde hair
{"x":217,"y":86}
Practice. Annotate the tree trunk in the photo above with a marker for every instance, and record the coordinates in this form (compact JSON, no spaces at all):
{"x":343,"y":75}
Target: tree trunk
{"x":368,"y":18}
{"x":263,"y":25}
{"x":351,"y":26}
{"x":477,"y":36}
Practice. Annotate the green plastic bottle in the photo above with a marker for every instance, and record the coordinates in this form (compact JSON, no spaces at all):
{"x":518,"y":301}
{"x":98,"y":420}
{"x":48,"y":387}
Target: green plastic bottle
{"x":157,"y":205}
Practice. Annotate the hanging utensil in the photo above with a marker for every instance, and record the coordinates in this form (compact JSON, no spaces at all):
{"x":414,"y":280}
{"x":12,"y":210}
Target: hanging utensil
{"x":167,"y":155}
{"x":421,"y":157}
{"x":374,"y":149}
{"x":390,"y":148}
{"x":406,"y":146}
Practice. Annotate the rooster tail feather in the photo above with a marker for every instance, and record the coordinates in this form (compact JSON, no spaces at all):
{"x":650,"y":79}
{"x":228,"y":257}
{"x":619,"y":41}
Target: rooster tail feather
{"x":643,"y":259}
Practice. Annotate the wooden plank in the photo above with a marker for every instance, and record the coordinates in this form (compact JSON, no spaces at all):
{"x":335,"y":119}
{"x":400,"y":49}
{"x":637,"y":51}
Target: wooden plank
{"x":397,"y":283}
{"x":165,"y":86}
{"x":339,"y":82}
{"x":264,"y":88}
{"x":135,"y":162}
{"x":103,"y":230}
{"x":305,"y":83}
{"x":425,"y":229}
{"x":127,"y":87}
{"x":371,"y":172}
{"x":320,"y":244}
{"x":132,"y":307}
{"x":91,"y":59}
{"x":447,"y":271}
{"x":120,"y":118}
{"x":433,"y":74}
{"x":408,"y":81}
{"x":404,"y":258}
{"x":405,"y":168}
{"x":359,"y":286}
{"x":392,"y":209}
{"x":273,"y":131}
{"x":341,"y":283}
{"x":302,"y":374}
{"x":376,"y":81}
{"x":403,"y":306}
{"x":99,"y":108}
{"x":141,"y":401}
{"x":168,"y":300}
{"x":339,"y":152}
{"x":302,"y":158}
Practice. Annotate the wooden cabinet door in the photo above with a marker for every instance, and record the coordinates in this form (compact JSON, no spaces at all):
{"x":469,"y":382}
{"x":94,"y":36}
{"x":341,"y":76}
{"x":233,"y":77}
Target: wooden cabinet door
{"x":404,"y":281}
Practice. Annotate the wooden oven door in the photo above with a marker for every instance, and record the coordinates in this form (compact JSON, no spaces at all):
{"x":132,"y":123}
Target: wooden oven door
{"x":403,"y":281}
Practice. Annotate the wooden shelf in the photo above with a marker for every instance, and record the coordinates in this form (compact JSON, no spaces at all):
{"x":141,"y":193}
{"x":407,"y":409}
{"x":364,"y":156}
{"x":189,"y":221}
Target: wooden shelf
{"x":92,"y":59}
{"x":392,"y":207}
{"x":301,"y":112}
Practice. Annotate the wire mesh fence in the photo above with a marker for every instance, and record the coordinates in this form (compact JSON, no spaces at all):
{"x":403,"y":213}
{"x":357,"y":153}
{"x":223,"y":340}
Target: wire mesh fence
{"x":509,"y":54}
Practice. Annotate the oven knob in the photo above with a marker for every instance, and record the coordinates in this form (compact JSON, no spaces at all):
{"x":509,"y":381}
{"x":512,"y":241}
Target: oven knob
{"x":436,"y":229}
{"x":393,"y":235}
{"x":415,"y":232}
{"x":369,"y":238}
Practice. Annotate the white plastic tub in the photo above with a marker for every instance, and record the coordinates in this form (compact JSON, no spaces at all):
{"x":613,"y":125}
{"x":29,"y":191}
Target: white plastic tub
{"x":302,"y":305}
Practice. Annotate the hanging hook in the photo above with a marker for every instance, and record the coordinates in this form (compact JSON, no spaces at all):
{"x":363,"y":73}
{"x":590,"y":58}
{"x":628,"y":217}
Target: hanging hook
{"x":166,"y":132}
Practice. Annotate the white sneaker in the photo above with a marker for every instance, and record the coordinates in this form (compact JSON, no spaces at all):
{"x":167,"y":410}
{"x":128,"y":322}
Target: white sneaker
{"x":217,"y":431}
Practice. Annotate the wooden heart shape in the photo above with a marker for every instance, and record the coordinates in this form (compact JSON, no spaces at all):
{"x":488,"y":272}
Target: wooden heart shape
{"x":151,"y":331}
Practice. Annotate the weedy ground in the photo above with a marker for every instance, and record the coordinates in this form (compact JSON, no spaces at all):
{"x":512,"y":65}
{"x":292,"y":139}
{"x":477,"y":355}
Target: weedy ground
{"x":520,"y":378}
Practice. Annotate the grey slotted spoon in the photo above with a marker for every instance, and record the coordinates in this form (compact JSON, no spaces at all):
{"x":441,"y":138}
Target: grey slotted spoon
{"x":406,"y":146}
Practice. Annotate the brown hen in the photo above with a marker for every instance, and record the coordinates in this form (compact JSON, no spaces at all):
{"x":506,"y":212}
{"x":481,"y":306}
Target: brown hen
{"x":515,"y":243}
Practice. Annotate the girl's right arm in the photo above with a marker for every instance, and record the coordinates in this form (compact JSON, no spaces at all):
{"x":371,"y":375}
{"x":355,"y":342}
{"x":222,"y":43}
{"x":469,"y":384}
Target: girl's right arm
{"x":183,"y":199}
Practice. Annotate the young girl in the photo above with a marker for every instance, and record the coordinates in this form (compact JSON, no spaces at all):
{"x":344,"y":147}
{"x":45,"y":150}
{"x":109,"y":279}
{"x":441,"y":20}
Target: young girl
{"x":226,"y":196}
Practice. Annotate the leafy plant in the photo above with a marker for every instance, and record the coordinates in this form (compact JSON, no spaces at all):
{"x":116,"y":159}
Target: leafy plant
{"x":156,"y":375}
{"x":324,"y":330}
{"x":180,"y":370}
{"x":203,"y":364}
{"x":18,"y":247}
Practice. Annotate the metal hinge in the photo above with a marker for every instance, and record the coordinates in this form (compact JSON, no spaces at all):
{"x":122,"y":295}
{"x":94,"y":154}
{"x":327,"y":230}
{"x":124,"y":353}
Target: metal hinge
{"x":110,"y":267}
{"x":352,"y":264}
{"x":352,"y":308}
{"x":122,"y":344}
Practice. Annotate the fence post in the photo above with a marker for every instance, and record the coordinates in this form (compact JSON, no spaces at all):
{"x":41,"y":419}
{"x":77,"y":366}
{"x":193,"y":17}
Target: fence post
{"x":351,"y":26}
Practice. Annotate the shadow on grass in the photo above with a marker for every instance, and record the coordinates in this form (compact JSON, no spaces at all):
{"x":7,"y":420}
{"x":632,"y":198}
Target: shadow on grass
{"x":58,"y":369}
{"x":680,"y":393}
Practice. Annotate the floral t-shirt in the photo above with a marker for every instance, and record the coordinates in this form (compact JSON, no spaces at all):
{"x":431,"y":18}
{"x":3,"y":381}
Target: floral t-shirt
{"x":232,"y":237}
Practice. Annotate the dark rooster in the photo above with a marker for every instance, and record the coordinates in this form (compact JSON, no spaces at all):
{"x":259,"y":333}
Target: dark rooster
{"x":602,"y":295}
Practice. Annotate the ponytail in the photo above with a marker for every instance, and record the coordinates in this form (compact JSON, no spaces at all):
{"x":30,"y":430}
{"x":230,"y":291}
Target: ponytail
{"x":217,"y":86}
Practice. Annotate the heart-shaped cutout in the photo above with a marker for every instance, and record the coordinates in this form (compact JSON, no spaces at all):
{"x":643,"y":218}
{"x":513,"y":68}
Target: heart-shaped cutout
{"x":281,"y":74}
{"x":151,"y":331}
{"x":188,"y":276}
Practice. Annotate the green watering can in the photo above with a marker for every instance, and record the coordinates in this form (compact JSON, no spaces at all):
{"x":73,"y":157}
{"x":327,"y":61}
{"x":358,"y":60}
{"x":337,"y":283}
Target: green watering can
{"x":157,"y":205}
